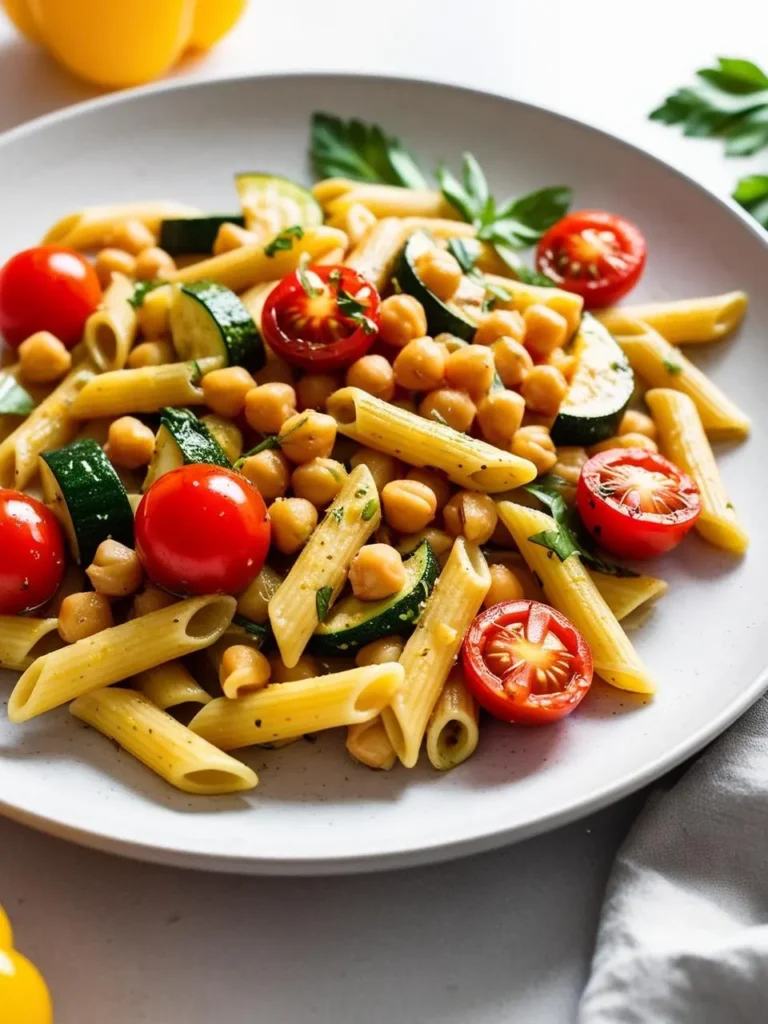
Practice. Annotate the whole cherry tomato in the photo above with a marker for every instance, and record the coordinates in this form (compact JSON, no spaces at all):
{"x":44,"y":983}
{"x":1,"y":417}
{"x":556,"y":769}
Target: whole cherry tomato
{"x":31,"y":553}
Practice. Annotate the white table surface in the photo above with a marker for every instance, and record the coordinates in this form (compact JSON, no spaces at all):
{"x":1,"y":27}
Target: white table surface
{"x":505,"y":936}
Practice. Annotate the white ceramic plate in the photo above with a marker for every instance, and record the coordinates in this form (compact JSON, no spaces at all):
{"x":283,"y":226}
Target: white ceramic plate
{"x":315,"y":811}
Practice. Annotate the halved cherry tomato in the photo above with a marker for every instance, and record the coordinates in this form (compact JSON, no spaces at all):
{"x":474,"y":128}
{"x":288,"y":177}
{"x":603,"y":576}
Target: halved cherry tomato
{"x":635,"y":503}
{"x":595,"y":254}
{"x":526,"y":663}
{"x":49,"y":288}
{"x":31,"y":553}
{"x":202,"y":530}
{"x":321,"y":318}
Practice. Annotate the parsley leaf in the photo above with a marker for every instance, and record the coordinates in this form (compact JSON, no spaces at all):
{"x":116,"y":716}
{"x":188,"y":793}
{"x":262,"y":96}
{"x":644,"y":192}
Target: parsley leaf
{"x":271,"y":441}
{"x":354,"y":311}
{"x":369,"y":510}
{"x":671,"y":367}
{"x":337,"y":514}
{"x":360,"y":151}
{"x":14,"y":399}
{"x":323,"y":601}
{"x":752,"y":193}
{"x":466,"y":259}
{"x":141,"y":290}
{"x":284,"y":241}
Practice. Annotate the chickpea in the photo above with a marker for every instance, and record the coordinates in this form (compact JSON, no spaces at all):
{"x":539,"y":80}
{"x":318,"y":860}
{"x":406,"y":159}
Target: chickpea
{"x":224,"y":391}
{"x":435,"y":481}
{"x":373,"y":374}
{"x":535,"y":444}
{"x":439,"y":271}
{"x":407,"y":402}
{"x":243,"y":670}
{"x":420,"y":366}
{"x":440,"y":542}
{"x":113,"y":261}
{"x":625,"y":441}
{"x":376,"y":572}
{"x":455,"y":408}
{"x":131,"y":236}
{"x":293,"y":522}
{"x":569,"y":463}
{"x":451,"y":342}
{"x":314,"y":390}
{"x":116,"y":570}
{"x":83,"y":615}
{"x":632,"y":422}
{"x":151,"y":599}
{"x":471,"y":369}
{"x":402,"y":319}
{"x":545,"y":330}
{"x":269,"y":472}
{"x":408,"y":505}
{"x":505,"y":586}
{"x":43,"y":358}
{"x":500,"y":414}
{"x":154,"y":313}
{"x":513,"y":361}
{"x":502,"y":537}
{"x":268,"y":406}
{"x":151,"y":353}
{"x":389,"y":648}
{"x":318,"y":480}
{"x":153,"y":264}
{"x":544,"y":389}
{"x":471,"y":515}
{"x":500,"y":323}
{"x":308,"y":435}
{"x":228,"y":435}
{"x":384,"y":468}
{"x":306,"y":667}
{"x":230,"y":237}
{"x":130,"y":443}
{"x":564,"y":362}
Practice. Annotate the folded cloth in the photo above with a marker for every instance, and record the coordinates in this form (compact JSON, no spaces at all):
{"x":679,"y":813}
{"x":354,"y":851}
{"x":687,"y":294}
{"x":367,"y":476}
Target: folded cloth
{"x":683,"y":935}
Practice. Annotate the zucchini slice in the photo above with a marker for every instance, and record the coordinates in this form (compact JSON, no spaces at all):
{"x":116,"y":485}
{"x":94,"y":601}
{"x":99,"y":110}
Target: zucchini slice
{"x":461,"y":315}
{"x":194,"y":235}
{"x":273,"y":203}
{"x":83,"y":490}
{"x":208,"y":319}
{"x":600,"y":389}
{"x":353,"y":623}
{"x":182,"y":439}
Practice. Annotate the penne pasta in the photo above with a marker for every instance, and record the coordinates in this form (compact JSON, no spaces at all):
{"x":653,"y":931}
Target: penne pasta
{"x":18,"y":638}
{"x":683,"y":440}
{"x":376,"y":254}
{"x":625,"y":594}
{"x":320,"y":571}
{"x":164,"y":745}
{"x":570,"y":589}
{"x":148,"y":389}
{"x":438,"y":227}
{"x":682,"y":321}
{"x":452,"y":730}
{"x":432,"y":648}
{"x":170,"y":685}
{"x":111,"y":330}
{"x":391,"y":201}
{"x":119,"y":653}
{"x":91,"y":227}
{"x":369,"y":744}
{"x":523,"y":295}
{"x":466,"y":460}
{"x":284,"y":710}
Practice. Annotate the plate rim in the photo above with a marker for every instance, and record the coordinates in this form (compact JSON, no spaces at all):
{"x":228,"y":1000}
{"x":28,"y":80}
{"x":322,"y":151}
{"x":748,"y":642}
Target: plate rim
{"x":426,"y":852}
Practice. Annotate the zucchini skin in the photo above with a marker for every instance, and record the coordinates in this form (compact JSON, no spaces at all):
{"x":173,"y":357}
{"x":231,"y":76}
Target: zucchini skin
{"x":251,"y":184}
{"x":194,"y":235}
{"x":195,"y":441}
{"x":441,"y":318}
{"x":240,"y":336}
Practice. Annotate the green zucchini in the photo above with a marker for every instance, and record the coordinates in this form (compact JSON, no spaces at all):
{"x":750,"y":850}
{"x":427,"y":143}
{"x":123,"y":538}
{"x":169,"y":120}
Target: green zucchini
{"x":353,"y":623}
{"x":208,"y":319}
{"x":461,"y":315}
{"x":276,"y":203}
{"x":600,"y":388}
{"x":256,"y":633}
{"x":194,"y":234}
{"x":182,"y":439}
{"x":81,"y":487}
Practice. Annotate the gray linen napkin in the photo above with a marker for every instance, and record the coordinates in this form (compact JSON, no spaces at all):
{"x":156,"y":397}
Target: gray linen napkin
{"x":683,"y":935}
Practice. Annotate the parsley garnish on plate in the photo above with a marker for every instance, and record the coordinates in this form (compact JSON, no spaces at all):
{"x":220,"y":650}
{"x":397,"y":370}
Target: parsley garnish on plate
{"x":360,"y":151}
{"x":14,"y":399}
{"x":284,"y":241}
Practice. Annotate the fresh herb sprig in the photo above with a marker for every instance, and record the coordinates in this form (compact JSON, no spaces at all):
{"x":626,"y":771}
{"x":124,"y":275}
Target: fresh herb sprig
{"x":360,"y":151}
{"x":354,"y":310}
{"x":284,"y":241}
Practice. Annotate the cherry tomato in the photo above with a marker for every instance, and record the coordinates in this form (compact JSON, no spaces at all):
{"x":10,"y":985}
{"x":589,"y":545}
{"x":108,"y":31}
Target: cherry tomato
{"x":31,"y":553}
{"x":321,"y":318}
{"x":24,"y":997}
{"x":48,"y":288}
{"x":202,"y":530}
{"x":526,"y":663}
{"x":635,"y":503}
{"x":595,"y":254}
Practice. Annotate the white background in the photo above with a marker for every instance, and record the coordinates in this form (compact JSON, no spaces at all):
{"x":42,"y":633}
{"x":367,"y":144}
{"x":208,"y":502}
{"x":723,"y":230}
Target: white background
{"x":500,"y":937}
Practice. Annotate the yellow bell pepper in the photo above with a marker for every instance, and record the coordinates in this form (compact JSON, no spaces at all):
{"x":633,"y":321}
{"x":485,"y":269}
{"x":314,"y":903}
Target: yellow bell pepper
{"x":24,"y":996}
{"x":117,"y":43}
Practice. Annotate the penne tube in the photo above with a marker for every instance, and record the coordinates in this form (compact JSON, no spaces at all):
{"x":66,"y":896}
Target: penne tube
{"x":331,"y":188}
{"x":569,"y":588}
{"x":369,"y":744}
{"x":661,"y":365}
{"x":376,"y":254}
{"x":320,"y":571}
{"x":625,"y":594}
{"x":682,"y":321}
{"x":467,"y":461}
{"x":284,"y":710}
{"x":119,"y":653}
{"x":171,"y":685}
{"x":250,"y":265}
{"x":111,"y":330}
{"x":682,"y":439}
{"x":438,"y":227}
{"x":91,"y":228}
{"x":524,"y":295}
{"x":432,"y":648}
{"x":392,"y":201}
{"x":148,"y":389}
{"x":331,"y":258}
{"x":164,"y":745}
{"x":18,"y":638}
{"x":51,"y":425}
{"x":452,"y":730}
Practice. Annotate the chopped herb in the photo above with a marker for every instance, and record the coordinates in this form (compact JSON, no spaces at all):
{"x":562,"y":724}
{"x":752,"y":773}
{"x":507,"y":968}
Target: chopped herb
{"x":354,"y":310}
{"x":284,"y":241}
{"x":196,"y":371}
{"x":440,"y":419}
{"x":730,"y":505}
{"x":337,"y":514}
{"x":396,"y":287}
{"x":360,"y":151}
{"x":271,"y":441}
{"x":361,"y":492}
{"x":671,"y":367}
{"x":323,"y":601}
{"x":14,"y":399}
{"x":309,"y":289}
{"x":369,"y":510}
{"x":466,"y":259}
{"x":489,"y":303}
{"x":141,"y":290}
{"x":528,"y":276}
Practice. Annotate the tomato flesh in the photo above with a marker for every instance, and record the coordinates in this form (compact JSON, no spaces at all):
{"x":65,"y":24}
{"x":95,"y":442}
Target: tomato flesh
{"x":321,"y":318}
{"x":48,"y":288}
{"x":636,"y":503}
{"x":526,"y":663}
{"x":595,"y":254}
{"x":31,"y":553}
{"x":202,"y":530}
